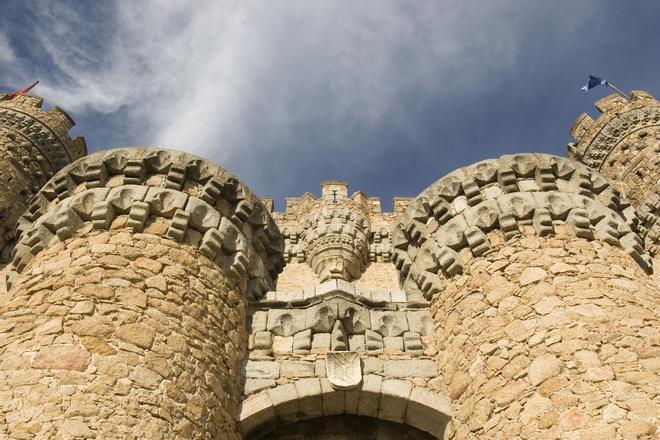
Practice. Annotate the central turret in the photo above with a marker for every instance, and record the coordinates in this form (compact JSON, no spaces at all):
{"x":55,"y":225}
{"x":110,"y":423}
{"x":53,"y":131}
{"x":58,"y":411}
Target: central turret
{"x":336,"y":234}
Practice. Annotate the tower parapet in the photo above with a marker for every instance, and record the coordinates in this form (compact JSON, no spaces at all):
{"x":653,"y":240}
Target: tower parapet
{"x":34,"y":145}
{"x":623,"y":144}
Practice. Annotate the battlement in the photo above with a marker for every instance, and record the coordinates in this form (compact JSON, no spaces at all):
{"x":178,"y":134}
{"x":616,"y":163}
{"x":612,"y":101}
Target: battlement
{"x":618,"y":119}
{"x":34,"y":145}
{"x":623,"y":143}
{"x":24,"y":113}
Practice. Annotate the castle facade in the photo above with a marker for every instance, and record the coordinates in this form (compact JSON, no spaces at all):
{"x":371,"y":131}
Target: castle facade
{"x":149,"y":294}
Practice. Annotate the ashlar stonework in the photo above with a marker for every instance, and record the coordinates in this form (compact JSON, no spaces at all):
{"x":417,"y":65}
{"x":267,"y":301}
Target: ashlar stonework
{"x":149,"y":294}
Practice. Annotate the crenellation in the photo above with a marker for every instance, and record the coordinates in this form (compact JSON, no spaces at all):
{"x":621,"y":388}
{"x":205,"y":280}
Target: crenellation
{"x":35,"y":145}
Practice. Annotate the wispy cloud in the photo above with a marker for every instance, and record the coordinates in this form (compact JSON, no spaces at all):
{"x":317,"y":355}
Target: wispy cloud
{"x":235,"y":81}
{"x":6,"y":52}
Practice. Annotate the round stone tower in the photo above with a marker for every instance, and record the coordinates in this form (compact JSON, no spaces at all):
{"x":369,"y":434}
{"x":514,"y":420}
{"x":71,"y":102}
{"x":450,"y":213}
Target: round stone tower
{"x":34,"y":145}
{"x":126,"y":315}
{"x":545,"y":316}
{"x":623,"y":143}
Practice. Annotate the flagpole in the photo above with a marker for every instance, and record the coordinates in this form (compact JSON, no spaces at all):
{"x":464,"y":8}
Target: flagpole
{"x":609,"y":84}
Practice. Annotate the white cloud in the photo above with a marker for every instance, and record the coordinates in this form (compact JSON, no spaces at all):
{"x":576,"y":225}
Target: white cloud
{"x":234,"y":75}
{"x":6,"y":52}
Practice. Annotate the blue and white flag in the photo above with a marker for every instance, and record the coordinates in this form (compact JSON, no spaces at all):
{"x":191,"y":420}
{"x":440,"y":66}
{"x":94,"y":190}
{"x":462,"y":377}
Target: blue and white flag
{"x":593,"y":82}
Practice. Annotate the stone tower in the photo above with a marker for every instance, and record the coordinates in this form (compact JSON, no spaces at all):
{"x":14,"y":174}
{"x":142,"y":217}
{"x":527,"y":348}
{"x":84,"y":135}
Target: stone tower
{"x":34,"y":145}
{"x":152,"y":295}
{"x":624,"y":145}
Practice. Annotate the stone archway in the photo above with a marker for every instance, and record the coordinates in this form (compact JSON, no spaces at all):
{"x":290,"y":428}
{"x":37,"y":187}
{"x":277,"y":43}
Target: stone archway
{"x":345,"y":426}
{"x":390,"y":400}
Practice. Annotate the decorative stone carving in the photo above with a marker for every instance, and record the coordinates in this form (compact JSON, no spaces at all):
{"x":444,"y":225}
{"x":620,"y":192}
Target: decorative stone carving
{"x":343,"y":369}
{"x":148,"y":185}
{"x":534,"y":189}
{"x":34,"y":144}
{"x":336,"y":243}
{"x":623,"y":143}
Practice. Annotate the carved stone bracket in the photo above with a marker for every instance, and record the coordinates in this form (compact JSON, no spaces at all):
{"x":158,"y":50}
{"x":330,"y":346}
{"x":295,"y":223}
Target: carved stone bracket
{"x":199,"y":204}
{"x":458,"y":210}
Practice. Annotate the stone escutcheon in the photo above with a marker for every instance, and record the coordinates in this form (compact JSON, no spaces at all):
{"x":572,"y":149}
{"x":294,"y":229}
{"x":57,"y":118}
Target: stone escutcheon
{"x":343,"y":369}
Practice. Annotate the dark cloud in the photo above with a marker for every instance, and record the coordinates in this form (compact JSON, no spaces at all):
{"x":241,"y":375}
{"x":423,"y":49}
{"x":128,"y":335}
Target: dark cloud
{"x":387,"y":95}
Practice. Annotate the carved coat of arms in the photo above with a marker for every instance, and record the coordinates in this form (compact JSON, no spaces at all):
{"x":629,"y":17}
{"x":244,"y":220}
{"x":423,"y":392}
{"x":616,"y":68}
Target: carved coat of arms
{"x":343,"y":369}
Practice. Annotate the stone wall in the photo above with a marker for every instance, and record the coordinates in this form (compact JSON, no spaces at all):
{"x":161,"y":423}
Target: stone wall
{"x":121,"y":335}
{"x":126,"y":316}
{"x":34,"y":145}
{"x":550,"y":337}
{"x":545,"y":314}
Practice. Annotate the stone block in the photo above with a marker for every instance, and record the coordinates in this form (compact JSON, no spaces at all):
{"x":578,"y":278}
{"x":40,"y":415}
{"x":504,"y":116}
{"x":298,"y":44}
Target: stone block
{"x":297,"y":369}
{"x":351,"y":400}
{"x":262,"y":341}
{"x":259,"y":320}
{"x":373,"y":342}
{"x":255,"y":385}
{"x":394,"y":400}
{"x":389,"y":323}
{"x":356,"y":343}
{"x":309,"y":395}
{"x":369,"y":400}
{"x":321,"y":318}
{"x":428,"y":411}
{"x":262,"y":369}
{"x":285,"y":402}
{"x":410,"y":368}
{"x":319,"y":368}
{"x":302,"y":342}
{"x":420,"y":322}
{"x":164,"y":202}
{"x":333,"y":400}
{"x":372,"y":365}
{"x":381,"y":296}
{"x":393,"y":344}
{"x":282,"y":344}
{"x":398,"y":296}
{"x":321,"y":342}
{"x":346,"y":287}
{"x":285,"y":322}
{"x":412,"y":342}
{"x":202,"y":215}
{"x":137,"y":334}
{"x":355,"y":319}
{"x":327,"y":287}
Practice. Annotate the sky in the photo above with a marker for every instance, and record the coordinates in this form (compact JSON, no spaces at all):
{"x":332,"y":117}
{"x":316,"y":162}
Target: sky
{"x":388,"y":95}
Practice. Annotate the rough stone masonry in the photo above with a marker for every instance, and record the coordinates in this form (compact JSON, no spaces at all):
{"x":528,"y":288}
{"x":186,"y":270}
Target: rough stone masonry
{"x":149,"y":294}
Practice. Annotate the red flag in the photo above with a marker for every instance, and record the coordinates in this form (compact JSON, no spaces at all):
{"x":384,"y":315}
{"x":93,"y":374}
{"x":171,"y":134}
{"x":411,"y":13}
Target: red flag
{"x":23,"y":91}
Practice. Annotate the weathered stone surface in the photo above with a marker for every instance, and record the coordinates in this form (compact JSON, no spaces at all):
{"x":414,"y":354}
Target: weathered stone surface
{"x":407,"y":368}
{"x":394,"y":399}
{"x":62,"y":357}
{"x":262,"y":369}
{"x":542,"y":368}
{"x":138,"y":334}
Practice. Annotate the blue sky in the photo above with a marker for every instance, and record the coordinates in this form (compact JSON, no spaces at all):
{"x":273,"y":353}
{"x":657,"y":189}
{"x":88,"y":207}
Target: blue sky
{"x":389,"y":95}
